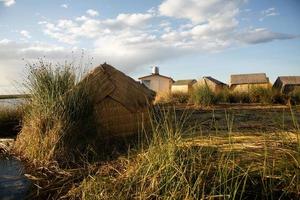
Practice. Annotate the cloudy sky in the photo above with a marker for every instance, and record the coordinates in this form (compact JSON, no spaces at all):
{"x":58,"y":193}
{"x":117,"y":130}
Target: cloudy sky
{"x":185,"y":38}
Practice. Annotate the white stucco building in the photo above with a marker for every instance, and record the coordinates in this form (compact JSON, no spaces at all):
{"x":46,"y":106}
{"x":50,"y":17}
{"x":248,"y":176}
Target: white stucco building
{"x":156,"y":82}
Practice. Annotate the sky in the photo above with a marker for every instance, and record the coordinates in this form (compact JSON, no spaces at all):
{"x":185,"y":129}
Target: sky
{"x":186,"y":39}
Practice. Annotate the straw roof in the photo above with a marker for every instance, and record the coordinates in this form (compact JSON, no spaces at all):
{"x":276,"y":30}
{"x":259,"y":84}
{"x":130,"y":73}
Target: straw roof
{"x":256,"y":78}
{"x":214,"y":80}
{"x":185,"y":82}
{"x":121,"y":104}
{"x":105,"y":81}
{"x":289,"y":80}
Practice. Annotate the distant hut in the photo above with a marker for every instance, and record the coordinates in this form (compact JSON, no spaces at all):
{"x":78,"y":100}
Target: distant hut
{"x":157,"y":82}
{"x":244,"y":82}
{"x":184,"y":86}
{"x":287,"y":84}
{"x":120,"y":103}
{"x":214,"y":84}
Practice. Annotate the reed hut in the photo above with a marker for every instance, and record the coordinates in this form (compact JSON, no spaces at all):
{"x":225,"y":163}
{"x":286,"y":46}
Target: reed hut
{"x":121,"y":104}
{"x":244,"y":82}
{"x":213,"y":84}
{"x":287,"y":84}
{"x":184,"y":86}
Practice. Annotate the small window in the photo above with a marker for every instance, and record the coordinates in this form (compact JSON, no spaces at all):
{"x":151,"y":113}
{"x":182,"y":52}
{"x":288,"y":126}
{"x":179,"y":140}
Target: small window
{"x":146,"y":83}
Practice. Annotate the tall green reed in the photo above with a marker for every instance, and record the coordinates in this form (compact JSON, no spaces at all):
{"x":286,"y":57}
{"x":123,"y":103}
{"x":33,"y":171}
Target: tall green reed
{"x":55,"y":114}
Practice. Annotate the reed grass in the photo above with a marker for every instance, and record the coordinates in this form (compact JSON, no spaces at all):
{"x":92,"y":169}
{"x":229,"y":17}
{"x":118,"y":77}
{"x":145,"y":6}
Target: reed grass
{"x":170,"y":166}
{"x":56,"y":116}
{"x":203,"y":95}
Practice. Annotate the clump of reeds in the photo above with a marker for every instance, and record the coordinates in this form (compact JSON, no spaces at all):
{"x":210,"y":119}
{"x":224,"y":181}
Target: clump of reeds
{"x":203,"y":95}
{"x":260,"y":95}
{"x":174,"y":98}
{"x":295,"y":96}
{"x":57,"y":114}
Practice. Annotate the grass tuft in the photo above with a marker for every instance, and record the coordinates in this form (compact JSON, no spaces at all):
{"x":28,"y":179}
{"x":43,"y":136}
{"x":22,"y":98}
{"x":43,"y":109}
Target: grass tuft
{"x":56,"y":116}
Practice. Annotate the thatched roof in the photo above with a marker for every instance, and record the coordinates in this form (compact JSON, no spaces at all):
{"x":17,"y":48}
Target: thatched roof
{"x":106,"y":81}
{"x":237,"y":79}
{"x":185,"y":82}
{"x":289,"y":80}
{"x":214,"y":80}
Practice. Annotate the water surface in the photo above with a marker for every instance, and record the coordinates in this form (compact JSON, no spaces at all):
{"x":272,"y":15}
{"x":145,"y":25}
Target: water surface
{"x":11,"y":102}
{"x":13,"y":184}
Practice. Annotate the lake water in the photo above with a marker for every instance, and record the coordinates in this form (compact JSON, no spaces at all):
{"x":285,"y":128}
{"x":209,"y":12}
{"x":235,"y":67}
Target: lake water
{"x":11,"y":102}
{"x":13,"y":184}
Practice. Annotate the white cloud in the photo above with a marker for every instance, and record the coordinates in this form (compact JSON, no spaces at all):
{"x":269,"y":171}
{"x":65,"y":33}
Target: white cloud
{"x":199,"y":11}
{"x":82,"y":18}
{"x":123,"y":20}
{"x":135,"y":19}
{"x":12,"y":65}
{"x":133,"y":49}
{"x":64,"y":5}
{"x":270,"y":12}
{"x":4,"y":41}
{"x":262,"y":35}
{"x":25,"y":34}
{"x":211,"y":21}
{"x":8,"y":3}
{"x":70,"y":31}
{"x":92,"y":12}
{"x":11,"y":50}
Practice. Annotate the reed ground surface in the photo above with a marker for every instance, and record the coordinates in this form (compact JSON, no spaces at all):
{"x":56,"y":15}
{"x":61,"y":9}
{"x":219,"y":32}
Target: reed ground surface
{"x":222,"y":152}
{"x":225,"y":152}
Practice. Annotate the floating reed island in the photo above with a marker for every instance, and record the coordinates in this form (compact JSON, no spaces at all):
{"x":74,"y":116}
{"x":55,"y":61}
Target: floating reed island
{"x":72,"y":128}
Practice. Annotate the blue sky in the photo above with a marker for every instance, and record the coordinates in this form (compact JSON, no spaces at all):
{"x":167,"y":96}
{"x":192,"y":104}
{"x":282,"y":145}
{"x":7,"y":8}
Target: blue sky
{"x":185,"y":38}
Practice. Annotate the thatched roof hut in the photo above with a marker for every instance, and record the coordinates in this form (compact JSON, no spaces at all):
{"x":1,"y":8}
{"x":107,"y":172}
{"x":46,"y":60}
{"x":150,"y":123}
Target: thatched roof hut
{"x":238,"y":79}
{"x":184,"y":86}
{"x":185,"y":82}
{"x":120,"y":103}
{"x":243,"y":82}
{"x":214,"y":84}
{"x":287,"y":84}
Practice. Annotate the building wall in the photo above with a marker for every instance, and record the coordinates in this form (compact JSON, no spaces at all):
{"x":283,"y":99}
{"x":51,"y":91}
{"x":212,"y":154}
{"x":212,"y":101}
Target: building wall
{"x":182,"y":88}
{"x":159,"y":84}
{"x":247,"y":87}
{"x":213,"y":86}
{"x":290,"y":88}
{"x":219,"y":88}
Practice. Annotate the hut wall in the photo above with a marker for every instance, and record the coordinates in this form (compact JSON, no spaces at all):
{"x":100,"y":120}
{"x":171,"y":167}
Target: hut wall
{"x":247,"y":87}
{"x":113,"y":119}
{"x":190,"y":88}
{"x":219,"y":88}
{"x":181,"y":88}
{"x":290,"y":88}
{"x":212,"y":86}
